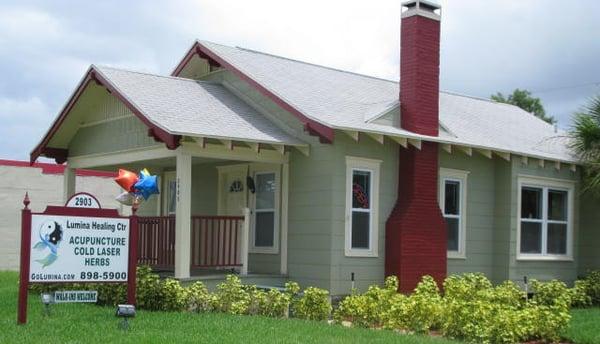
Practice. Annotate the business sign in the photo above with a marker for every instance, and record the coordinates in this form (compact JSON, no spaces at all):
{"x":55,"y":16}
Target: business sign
{"x":67,"y":296}
{"x":78,"y":249}
{"x":81,"y":243}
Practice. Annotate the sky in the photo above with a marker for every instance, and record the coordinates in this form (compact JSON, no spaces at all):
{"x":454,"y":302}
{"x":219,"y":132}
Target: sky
{"x":550,"y":47}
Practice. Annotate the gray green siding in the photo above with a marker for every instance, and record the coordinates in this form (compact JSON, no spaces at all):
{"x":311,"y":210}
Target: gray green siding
{"x":589,"y":238}
{"x":480,"y":189}
{"x":367,"y":270}
{"x":310,"y":216}
{"x":112,"y":127}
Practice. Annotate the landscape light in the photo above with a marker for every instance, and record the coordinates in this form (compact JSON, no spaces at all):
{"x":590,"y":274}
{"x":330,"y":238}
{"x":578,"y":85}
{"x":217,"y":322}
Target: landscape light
{"x":47,"y":300}
{"x":125,"y":312}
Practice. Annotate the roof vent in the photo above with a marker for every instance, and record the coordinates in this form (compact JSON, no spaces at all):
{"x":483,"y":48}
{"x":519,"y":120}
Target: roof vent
{"x":423,"y":8}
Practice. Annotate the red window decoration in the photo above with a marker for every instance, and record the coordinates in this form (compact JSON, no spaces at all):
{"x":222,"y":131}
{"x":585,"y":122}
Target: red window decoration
{"x":360,"y":196}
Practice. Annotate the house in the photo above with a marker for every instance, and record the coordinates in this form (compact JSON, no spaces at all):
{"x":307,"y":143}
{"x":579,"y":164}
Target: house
{"x":43,"y":182}
{"x":283,"y":169}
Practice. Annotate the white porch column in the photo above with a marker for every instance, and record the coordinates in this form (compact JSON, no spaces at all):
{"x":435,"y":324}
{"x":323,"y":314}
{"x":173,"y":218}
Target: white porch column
{"x":68,"y":183}
{"x":285,"y":173}
{"x":183,"y":214}
{"x":244,"y":244}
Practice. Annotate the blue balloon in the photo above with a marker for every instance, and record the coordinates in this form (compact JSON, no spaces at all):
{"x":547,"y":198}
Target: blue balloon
{"x":146,"y":186}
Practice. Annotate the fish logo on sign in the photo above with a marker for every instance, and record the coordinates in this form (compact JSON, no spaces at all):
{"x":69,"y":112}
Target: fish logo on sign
{"x":50,"y":234}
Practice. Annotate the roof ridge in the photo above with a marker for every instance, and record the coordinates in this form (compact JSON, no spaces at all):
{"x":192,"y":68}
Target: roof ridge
{"x":156,"y":75}
{"x":303,"y":62}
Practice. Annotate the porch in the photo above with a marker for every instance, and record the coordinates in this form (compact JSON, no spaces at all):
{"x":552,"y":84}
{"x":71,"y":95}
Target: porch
{"x":220,"y":211}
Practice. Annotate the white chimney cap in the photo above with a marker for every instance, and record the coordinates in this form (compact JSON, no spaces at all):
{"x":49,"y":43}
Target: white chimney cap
{"x":423,"y":8}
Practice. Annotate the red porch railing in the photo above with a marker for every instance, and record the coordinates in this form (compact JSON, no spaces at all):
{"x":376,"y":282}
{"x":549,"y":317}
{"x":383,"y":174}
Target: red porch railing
{"x":156,"y":241}
{"x":216,"y":241}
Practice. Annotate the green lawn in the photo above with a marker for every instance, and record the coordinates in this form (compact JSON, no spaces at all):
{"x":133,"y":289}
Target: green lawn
{"x":585,"y":326}
{"x":80,"y":323}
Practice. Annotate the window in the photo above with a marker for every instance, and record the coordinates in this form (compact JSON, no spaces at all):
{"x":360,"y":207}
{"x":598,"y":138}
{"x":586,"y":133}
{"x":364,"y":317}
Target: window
{"x":545,"y":219}
{"x":265,"y":212}
{"x":452,"y":199}
{"x":362,"y":207}
{"x":169,"y":193}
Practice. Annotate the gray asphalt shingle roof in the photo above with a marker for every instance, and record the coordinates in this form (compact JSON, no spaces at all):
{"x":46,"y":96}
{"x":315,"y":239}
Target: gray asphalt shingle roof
{"x":195,"y":108}
{"x":343,"y":100}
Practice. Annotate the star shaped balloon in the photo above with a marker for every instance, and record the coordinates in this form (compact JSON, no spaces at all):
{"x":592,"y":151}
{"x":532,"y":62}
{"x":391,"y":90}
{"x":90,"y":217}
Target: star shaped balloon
{"x":147,"y":185}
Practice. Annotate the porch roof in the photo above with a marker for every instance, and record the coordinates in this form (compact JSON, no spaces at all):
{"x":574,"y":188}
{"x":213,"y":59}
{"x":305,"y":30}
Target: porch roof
{"x":173,"y":107}
{"x":195,"y":108}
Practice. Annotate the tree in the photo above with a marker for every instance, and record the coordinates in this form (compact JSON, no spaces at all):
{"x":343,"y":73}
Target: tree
{"x":585,"y":135}
{"x":524,"y":100}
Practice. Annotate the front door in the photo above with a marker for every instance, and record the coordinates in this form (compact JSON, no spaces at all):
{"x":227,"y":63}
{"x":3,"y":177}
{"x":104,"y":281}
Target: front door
{"x":232,"y":190}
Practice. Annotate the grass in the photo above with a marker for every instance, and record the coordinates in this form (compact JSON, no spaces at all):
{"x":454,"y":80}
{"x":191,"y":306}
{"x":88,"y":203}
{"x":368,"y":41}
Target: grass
{"x":584,"y":327}
{"x":81,"y":323}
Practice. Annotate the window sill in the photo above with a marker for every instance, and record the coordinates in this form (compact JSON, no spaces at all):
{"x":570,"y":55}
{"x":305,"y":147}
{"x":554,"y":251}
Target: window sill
{"x":360,"y":254}
{"x":256,"y":250}
{"x":461,"y":256}
{"x":529,"y":258}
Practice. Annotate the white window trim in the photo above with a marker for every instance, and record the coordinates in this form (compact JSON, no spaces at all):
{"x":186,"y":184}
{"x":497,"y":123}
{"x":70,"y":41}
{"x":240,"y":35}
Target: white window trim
{"x":545,"y":184}
{"x":168,"y":176}
{"x":275,"y":248}
{"x":373,"y":166}
{"x":459,"y":176}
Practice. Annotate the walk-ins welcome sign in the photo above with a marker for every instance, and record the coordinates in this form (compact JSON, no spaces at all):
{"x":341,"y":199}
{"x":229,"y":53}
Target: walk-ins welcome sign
{"x":80,"y":242}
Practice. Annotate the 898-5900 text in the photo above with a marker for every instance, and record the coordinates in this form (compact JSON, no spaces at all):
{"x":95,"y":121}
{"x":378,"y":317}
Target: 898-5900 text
{"x":104,"y":276}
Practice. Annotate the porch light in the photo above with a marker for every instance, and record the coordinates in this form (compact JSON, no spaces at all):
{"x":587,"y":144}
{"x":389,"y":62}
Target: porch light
{"x":125,"y":312}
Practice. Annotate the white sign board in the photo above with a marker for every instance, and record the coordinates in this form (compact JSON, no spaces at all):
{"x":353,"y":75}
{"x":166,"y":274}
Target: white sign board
{"x":83,"y":200}
{"x":78,"y":249}
{"x":65,"y":296}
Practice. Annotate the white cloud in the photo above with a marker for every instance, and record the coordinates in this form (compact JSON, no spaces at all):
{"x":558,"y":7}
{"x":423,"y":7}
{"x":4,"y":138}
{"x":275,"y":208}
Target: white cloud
{"x":23,"y":124}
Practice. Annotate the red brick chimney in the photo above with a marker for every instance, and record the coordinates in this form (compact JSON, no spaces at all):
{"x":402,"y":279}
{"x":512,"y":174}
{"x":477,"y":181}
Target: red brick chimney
{"x":415,"y":242}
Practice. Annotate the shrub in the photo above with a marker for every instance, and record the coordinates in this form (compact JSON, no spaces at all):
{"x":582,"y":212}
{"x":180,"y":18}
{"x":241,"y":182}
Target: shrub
{"x":592,"y":286}
{"x":550,"y":293}
{"x":274,"y":304}
{"x":148,"y":289}
{"x":200,"y":300}
{"x":313,"y":305}
{"x":580,"y":295}
{"x":370,"y":309}
{"x":173,"y":296}
{"x":231,"y":297}
{"x":423,"y":308}
{"x":466,"y":287}
{"x":292,"y":288}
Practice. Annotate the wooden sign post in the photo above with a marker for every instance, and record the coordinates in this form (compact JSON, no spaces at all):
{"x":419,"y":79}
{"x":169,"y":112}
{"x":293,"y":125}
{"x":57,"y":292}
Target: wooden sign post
{"x":77,"y":243}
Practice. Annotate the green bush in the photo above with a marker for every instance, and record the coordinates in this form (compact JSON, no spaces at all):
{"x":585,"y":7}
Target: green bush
{"x":200,"y":300}
{"x":477,"y":312}
{"x":591,"y":284}
{"x":423,"y":307}
{"x":274,"y":304}
{"x":580,"y":294}
{"x":174,"y":297}
{"x":231,"y":297}
{"x":550,"y":293}
{"x":370,"y":309}
{"x":148,"y":289}
{"x":313,"y":305}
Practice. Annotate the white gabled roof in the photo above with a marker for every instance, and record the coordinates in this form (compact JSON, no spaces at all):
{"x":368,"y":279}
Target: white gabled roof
{"x":195,"y":108}
{"x":345,"y":100}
